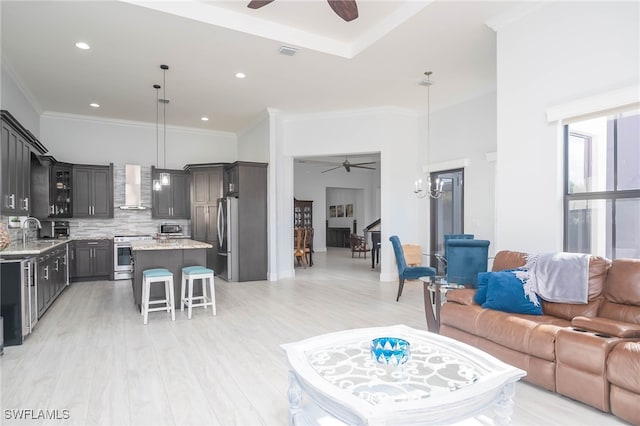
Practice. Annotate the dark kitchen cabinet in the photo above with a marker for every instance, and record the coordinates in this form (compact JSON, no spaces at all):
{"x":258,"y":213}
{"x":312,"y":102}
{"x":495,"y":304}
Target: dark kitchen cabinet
{"x":206,"y":189}
{"x":92,"y":191}
{"x":232,"y":180}
{"x":250,"y":185}
{"x":16,"y":146}
{"x":172,"y":201}
{"x":92,"y":260}
{"x":51,"y":188}
{"x":53,"y":276}
{"x":61,"y":193}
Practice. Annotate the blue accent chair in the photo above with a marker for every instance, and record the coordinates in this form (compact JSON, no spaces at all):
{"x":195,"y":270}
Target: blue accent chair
{"x":448,"y":237}
{"x":407,"y":272}
{"x":465,"y":258}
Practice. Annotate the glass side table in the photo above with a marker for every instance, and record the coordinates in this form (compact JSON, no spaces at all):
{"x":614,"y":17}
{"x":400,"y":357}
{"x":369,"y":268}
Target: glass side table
{"x":435,"y":289}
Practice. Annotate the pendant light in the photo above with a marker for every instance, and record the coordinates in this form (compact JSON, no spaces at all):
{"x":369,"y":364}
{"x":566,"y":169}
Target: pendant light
{"x":433,"y":191}
{"x":165,"y":178}
{"x":157,"y":186}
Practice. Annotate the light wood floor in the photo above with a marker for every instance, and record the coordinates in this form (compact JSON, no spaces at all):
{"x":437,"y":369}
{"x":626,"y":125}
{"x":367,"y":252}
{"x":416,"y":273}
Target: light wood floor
{"x":92,"y":355}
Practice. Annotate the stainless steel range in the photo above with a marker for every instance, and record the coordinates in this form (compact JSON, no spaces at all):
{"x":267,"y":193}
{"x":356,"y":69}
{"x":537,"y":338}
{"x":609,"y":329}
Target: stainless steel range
{"x":122,"y":256}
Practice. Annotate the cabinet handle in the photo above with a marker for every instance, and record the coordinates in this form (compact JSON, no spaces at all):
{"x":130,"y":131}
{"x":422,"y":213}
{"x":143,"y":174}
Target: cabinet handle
{"x":46,"y":272}
{"x":25,"y":204}
{"x":52,"y":209}
{"x":57,"y":265}
{"x":93,"y":243}
{"x":12,"y":201}
{"x":89,"y":210}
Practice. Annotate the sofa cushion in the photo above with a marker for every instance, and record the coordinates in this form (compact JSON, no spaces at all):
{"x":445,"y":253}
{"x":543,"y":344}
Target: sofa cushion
{"x":623,"y":282}
{"x":623,"y":368}
{"x":569,"y":311}
{"x":505,"y":292}
{"x":530,"y":334}
{"x":620,"y":312}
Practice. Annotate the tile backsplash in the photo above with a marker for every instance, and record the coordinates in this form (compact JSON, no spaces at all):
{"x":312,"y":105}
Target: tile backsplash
{"x":124,"y":222}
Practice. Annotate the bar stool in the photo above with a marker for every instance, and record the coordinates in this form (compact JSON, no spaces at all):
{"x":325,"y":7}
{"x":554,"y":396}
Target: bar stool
{"x":157,"y":275}
{"x":190,"y":274}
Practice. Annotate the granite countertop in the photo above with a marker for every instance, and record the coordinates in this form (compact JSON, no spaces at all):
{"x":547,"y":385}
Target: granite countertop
{"x":171,"y":244}
{"x":35,"y":247}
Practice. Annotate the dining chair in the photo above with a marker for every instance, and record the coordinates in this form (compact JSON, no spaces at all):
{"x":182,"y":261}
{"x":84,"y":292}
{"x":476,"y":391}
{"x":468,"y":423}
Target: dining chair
{"x":465,"y":259}
{"x":299,"y":249}
{"x":358,"y":245}
{"x":406,"y":272}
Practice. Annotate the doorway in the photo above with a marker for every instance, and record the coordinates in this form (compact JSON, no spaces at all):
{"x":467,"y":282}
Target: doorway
{"x":447,"y":211}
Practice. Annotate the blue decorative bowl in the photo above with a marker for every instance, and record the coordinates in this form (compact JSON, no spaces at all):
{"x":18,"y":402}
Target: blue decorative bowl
{"x":390,"y":350}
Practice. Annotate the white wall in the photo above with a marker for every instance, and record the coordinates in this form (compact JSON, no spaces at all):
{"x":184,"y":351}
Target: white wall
{"x":253,"y":143}
{"x":88,"y":140}
{"x":561,"y":52}
{"x":468,"y":131}
{"x":393,"y":132}
{"x":14,"y":100}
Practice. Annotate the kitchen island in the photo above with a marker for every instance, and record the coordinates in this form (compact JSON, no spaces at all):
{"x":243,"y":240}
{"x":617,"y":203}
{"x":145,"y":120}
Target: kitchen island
{"x":173,"y":254}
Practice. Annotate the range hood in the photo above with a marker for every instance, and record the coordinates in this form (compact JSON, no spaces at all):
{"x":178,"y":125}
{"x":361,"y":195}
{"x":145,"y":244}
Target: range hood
{"x":132,"y":192}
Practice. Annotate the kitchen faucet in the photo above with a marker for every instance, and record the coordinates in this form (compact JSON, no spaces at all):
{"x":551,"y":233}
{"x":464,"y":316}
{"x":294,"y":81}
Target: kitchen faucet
{"x":25,"y":226}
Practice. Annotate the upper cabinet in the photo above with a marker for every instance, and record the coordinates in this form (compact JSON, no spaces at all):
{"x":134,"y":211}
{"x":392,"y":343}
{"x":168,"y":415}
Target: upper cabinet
{"x":51,"y":187}
{"x":92,"y":191}
{"x":15,"y":157}
{"x":172,"y":201}
{"x":60,"y":191}
{"x":232,"y":180}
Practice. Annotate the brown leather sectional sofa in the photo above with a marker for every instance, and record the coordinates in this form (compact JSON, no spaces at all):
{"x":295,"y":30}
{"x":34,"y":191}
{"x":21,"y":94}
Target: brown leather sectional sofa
{"x":588,"y":352}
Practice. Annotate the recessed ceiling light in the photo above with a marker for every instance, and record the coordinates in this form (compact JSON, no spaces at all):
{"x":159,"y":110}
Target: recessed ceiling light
{"x":94,"y":105}
{"x":82,"y":45}
{"x":204,"y":118}
{"x":241,"y":75}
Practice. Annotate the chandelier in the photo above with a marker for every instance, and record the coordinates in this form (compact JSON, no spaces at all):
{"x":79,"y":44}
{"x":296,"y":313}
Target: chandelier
{"x":432,"y":189}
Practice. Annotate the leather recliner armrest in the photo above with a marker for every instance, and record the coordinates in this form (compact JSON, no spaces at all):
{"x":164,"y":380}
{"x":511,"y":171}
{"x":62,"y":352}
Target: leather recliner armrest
{"x":607,"y":326}
{"x":463,"y":296}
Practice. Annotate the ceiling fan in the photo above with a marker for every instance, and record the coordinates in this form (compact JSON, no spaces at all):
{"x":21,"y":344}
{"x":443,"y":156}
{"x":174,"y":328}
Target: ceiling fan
{"x":346,"y":9}
{"x":347,"y":166}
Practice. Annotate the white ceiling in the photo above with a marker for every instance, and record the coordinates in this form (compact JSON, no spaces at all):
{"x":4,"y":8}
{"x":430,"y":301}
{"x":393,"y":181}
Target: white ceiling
{"x":376,"y":60}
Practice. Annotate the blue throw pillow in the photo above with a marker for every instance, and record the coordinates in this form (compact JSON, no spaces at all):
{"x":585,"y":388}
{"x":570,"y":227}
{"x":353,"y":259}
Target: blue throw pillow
{"x":483,"y":280}
{"x":481,"y":294}
{"x":505,"y":292}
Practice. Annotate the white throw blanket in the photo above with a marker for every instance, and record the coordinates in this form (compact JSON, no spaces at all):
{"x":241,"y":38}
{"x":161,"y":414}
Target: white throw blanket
{"x":557,"y":277}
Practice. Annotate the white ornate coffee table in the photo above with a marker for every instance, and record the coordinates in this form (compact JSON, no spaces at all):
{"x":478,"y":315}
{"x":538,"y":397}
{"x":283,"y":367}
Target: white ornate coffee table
{"x":444,"y":382}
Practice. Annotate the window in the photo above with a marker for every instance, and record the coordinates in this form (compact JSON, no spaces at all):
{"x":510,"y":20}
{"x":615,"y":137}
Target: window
{"x":602,"y":186}
{"x":447,"y":212}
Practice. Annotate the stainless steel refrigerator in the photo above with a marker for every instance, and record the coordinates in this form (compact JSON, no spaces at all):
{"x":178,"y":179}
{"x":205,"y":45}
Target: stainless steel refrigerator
{"x":227,"y":265}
